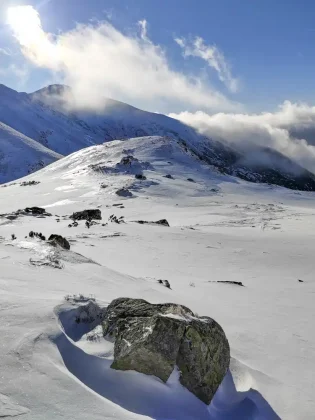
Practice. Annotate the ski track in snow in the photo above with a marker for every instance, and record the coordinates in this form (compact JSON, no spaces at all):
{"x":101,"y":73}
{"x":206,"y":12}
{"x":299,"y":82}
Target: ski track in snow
{"x":244,"y":232}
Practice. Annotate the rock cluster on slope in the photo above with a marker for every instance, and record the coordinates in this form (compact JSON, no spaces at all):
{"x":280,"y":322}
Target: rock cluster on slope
{"x":153,"y":339}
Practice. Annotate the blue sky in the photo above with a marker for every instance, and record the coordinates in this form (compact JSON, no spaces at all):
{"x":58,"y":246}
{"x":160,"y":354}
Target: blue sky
{"x":267,"y":45}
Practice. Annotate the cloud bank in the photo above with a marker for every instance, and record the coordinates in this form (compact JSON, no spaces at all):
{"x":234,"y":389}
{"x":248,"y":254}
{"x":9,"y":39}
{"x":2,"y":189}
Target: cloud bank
{"x":282,"y":130}
{"x":99,"y":61}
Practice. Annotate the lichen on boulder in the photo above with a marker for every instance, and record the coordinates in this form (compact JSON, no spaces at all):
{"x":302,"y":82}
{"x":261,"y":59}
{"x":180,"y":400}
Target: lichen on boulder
{"x":154,"y":338}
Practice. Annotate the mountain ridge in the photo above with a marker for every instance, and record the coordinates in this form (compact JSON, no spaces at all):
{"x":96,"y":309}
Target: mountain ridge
{"x":44,"y":117}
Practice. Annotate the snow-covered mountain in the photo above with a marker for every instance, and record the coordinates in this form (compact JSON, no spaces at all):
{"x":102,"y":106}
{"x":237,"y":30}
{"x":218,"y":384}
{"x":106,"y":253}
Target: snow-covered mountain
{"x":44,"y":117}
{"x":20,"y":155}
{"x":221,"y":229}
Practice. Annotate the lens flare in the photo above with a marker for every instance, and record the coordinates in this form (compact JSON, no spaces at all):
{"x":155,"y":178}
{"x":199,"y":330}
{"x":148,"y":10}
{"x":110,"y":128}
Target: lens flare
{"x":25,"y":23}
{"x":37,"y":45}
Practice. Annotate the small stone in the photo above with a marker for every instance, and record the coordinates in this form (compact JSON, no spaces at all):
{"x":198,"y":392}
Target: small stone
{"x":124,"y":192}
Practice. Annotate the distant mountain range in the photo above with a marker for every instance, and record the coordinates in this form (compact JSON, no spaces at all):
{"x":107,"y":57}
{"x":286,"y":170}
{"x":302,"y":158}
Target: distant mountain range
{"x":37,"y":129}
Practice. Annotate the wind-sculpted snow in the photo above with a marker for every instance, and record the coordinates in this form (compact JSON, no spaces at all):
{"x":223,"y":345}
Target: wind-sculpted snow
{"x":221,"y":229}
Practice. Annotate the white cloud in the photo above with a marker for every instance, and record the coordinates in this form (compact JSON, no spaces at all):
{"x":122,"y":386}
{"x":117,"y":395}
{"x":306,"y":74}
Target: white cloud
{"x":212,"y":56}
{"x":21,"y":73}
{"x":100,"y":60}
{"x":278,"y":130}
{"x":143,"y":29}
{"x":5,"y":51}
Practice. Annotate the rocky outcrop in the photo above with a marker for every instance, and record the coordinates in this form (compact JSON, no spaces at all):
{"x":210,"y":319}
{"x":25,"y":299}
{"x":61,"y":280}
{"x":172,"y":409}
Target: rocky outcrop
{"x":153,"y":339}
{"x":93,"y":214}
{"x":141,"y":177}
{"x":28,"y":211}
{"x":162,"y":222}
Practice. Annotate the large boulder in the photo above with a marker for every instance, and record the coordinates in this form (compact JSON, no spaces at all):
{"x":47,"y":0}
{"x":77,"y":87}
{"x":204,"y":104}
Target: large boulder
{"x":153,"y":339}
{"x":58,"y":240}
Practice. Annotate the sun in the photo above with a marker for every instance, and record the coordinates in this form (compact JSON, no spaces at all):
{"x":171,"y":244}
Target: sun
{"x":25,"y":23}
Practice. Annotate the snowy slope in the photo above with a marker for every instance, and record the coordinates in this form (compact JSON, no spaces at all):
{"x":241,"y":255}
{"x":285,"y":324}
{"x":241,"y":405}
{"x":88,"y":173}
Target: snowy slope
{"x":221,"y":228}
{"x":20,"y":155}
{"x":42,"y":117}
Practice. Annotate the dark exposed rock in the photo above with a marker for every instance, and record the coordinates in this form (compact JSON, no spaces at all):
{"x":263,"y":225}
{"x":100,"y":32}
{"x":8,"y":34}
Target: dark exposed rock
{"x":28,"y":211}
{"x":58,"y":240}
{"x":300,"y":281}
{"x":169,"y":176}
{"x":35,"y":210}
{"x":91,"y":223}
{"x":140,"y":177}
{"x":114,"y":219}
{"x":167,"y":284}
{"x":13,"y":237}
{"x":89,"y":313}
{"x":37,"y":235}
{"x":11,"y":216}
{"x":153,"y":339}
{"x":93,"y":214}
{"x":162,"y":222}
{"x":128,"y":160}
{"x":236,"y":283}
{"x":203,"y":358}
{"x":190,"y":180}
{"x":124,"y":192}
{"x":29,"y":183}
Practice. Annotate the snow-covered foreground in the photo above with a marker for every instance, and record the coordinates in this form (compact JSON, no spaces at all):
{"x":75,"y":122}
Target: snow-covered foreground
{"x":220,"y":229}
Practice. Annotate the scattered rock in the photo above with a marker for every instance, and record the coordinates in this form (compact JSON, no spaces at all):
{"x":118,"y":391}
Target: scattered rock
{"x":58,"y":240}
{"x":167,"y":284}
{"x":93,"y":214}
{"x":153,"y":339}
{"x":103,"y":186}
{"x":162,"y":222}
{"x":37,"y":235}
{"x":140,"y":177}
{"x":128,"y":160}
{"x":237,"y":283}
{"x":124,"y":192}
{"x":91,"y":223}
{"x":29,"y":183}
{"x":115,"y":219}
{"x":13,"y":237}
{"x":169,"y":176}
{"x":11,"y":217}
{"x":36,"y":211}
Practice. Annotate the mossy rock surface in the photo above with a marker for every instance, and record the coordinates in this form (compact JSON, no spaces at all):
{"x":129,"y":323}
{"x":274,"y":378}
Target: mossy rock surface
{"x":153,"y":339}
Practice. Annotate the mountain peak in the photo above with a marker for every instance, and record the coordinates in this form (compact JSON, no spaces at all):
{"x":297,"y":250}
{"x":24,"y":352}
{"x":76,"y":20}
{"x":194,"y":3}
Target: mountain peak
{"x":54,"y":89}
